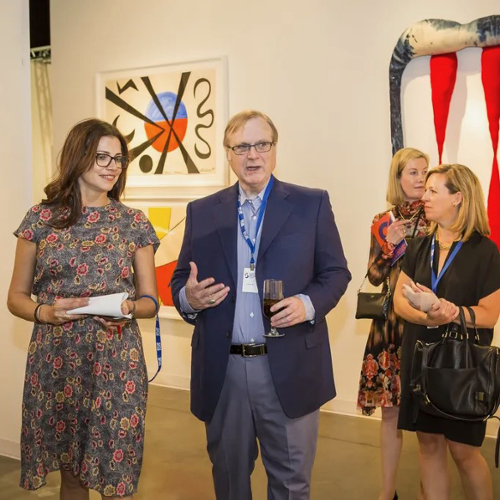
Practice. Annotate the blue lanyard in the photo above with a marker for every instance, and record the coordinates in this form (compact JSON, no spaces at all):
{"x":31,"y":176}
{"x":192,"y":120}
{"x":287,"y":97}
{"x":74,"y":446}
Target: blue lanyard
{"x":434,"y":280}
{"x":158,"y":336}
{"x":259,"y":220}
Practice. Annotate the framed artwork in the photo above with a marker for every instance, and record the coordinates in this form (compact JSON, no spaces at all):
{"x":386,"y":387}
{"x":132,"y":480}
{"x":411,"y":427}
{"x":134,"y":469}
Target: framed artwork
{"x":173,"y":118}
{"x":168,"y":220}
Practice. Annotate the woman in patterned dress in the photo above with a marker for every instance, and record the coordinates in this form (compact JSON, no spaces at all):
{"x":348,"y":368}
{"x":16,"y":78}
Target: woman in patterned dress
{"x":379,"y":384}
{"x":85,"y":387}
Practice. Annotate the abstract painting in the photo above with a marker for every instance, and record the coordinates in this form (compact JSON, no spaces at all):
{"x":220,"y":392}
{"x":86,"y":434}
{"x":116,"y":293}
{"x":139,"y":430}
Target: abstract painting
{"x":173,"y":117}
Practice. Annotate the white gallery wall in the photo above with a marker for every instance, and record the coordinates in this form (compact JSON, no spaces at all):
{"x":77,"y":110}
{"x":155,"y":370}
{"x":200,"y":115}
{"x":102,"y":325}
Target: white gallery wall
{"x":15,"y":196}
{"x":319,"y":69}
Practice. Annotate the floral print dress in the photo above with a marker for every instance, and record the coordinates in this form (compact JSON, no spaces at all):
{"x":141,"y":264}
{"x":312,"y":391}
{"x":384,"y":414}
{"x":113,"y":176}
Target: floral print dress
{"x":379,"y":383}
{"x":85,"y":389}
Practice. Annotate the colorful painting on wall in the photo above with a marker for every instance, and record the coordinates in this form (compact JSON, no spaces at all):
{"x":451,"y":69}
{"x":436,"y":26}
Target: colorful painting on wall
{"x":168,"y":222}
{"x":173,"y":117}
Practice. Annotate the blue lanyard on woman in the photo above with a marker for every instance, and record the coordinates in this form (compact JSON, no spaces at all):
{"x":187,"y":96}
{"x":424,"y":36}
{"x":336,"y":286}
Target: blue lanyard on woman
{"x":259,"y":221}
{"x":435,"y":280}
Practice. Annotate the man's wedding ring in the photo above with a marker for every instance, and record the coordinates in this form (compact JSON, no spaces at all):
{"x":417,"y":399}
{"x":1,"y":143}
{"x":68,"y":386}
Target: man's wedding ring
{"x":211,"y":301}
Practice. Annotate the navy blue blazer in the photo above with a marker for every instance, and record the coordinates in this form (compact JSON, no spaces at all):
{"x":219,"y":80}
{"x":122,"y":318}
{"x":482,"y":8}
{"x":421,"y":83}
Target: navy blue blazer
{"x":300,"y":245}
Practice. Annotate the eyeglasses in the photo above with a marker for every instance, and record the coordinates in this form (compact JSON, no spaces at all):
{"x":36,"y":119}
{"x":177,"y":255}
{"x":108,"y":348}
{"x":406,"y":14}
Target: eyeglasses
{"x":244,"y":149}
{"x":104,"y":160}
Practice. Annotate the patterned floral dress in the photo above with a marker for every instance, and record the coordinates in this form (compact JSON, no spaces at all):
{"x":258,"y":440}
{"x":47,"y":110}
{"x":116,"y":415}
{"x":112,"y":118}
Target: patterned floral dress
{"x":380,"y":383}
{"x":85,"y":389}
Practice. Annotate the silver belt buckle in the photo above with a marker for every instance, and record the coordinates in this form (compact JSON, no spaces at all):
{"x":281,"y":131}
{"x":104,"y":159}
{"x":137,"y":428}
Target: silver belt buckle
{"x":243,"y":353}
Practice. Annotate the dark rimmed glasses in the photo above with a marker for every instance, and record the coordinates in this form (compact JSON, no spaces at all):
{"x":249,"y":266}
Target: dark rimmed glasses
{"x":104,"y":160}
{"x":244,"y":149}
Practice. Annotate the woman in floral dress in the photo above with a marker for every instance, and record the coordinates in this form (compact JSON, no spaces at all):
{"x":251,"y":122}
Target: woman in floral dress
{"x":379,"y":384}
{"x":85,"y":387}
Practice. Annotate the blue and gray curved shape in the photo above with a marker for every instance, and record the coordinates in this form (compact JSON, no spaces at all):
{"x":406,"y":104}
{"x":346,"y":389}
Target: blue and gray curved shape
{"x":429,"y":37}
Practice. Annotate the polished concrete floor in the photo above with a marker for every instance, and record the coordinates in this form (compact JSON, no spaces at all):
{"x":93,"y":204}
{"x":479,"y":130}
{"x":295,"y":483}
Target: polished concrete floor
{"x":176,"y":466}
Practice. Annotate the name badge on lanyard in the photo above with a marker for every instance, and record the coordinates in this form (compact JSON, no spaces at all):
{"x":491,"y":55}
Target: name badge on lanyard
{"x":249,"y":281}
{"x":436,"y":279}
{"x":241,"y":219}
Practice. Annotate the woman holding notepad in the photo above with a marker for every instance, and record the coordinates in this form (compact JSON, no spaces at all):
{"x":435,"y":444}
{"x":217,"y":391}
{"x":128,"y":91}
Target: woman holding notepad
{"x":85,"y":387}
{"x":457,"y":263}
{"x":379,"y":385}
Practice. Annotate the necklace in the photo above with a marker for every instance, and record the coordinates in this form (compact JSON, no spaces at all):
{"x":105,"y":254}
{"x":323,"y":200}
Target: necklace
{"x":444,"y":246}
{"x":417,"y":213}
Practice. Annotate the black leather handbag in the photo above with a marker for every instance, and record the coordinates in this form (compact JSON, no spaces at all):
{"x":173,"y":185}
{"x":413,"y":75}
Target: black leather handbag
{"x":372,"y":305}
{"x":456,"y":378}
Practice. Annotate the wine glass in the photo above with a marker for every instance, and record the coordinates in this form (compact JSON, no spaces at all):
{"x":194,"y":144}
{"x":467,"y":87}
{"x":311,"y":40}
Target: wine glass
{"x":273,"y":293}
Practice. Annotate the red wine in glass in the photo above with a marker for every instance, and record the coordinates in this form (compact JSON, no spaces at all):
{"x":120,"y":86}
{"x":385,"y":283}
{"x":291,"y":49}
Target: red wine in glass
{"x":273,"y":293}
{"x":268,"y":303}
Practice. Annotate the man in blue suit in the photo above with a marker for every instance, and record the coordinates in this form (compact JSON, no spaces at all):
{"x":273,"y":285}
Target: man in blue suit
{"x":245,"y":386}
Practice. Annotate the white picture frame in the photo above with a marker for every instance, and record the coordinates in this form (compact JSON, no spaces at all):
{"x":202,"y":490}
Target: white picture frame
{"x":173,"y":117}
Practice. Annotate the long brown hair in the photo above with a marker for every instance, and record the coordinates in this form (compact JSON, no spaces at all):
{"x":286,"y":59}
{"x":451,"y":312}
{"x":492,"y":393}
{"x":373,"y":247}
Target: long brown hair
{"x":76,"y":157}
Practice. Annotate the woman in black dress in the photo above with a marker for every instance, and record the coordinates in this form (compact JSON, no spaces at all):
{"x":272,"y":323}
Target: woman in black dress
{"x":454,"y":204}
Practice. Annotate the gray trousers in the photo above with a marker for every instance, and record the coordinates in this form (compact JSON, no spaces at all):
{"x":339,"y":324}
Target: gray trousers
{"x":249,"y":410}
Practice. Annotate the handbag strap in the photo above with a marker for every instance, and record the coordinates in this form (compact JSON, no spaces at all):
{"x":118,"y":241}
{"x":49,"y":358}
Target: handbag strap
{"x":473,"y":321}
{"x":464,"y":334}
{"x":363,"y":282}
{"x":457,"y":331}
{"x":386,"y":280}
{"x":419,"y":215}
{"x":463,"y":323}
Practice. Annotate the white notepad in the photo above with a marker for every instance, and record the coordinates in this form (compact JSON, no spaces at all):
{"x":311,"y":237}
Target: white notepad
{"x":104,"y":305}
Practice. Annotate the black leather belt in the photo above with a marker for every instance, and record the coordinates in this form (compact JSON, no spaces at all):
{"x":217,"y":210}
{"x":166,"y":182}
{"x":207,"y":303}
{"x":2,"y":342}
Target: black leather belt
{"x":249,"y":350}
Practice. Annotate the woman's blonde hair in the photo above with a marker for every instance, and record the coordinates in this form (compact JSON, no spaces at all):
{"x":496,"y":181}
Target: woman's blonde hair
{"x":395,"y":193}
{"x":471,"y":214}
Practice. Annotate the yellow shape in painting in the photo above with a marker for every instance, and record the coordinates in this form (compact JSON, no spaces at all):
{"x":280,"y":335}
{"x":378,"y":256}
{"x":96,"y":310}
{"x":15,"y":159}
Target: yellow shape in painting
{"x":160,"y":218}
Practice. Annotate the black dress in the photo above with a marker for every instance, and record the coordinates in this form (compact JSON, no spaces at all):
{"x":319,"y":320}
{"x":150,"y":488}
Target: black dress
{"x":473,"y":274}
